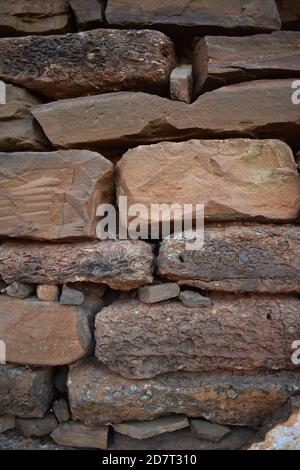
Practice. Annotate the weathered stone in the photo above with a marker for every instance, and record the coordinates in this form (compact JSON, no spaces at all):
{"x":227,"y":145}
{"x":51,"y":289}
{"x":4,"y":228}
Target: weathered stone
{"x":79,"y":435}
{"x":19,"y":290}
{"x":70,"y":296}
{"x":113,"y":399}
{"x":239,"y":15}
{"x":43,"y":333}
{"x":126,"y":119}
{"x":48,"y":293}
{"x":289,"y":11}
{"x":53,"y":196}
{"x":61,"y":410}
{"x":146,"y":429}
{"x":181,"y":83}
{"x":222,"y":60}
{"x":25,"y":392}
{"x":89,"y":63}
{"x":87,"y":13}
{"x":122,"y":265}
{"x":158,"y":292}
{"x":208,"y":431}
{"x":247,"y":333}
{"x":7,"y":423}
{"x":192,"y":299}
{"x":37,"y":426}
{"x":20,"y":17}
{"x":254,"y":258}
{"x":18,"y":130}
{"x":235,"y":179}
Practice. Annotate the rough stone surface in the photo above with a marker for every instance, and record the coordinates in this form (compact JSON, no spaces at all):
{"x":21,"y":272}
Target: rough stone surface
{"x":7,"y":423}
{"x":192,"y":299}
{"x":181,"y":83}
{"x":70,"y":296}
{"x":43,"y":333}
{"x":222,"y":60}
{"x":238,"y":15}
{"x":125,"y":119}
{"x":48,"y":293}
{"x":289,"y":11}
{"x":19,"y":290}
{"x":37,"y":426}
{"x":87,"y":13}
{"x":79,"y":435}
{"x":14,"y":440}
{"x":120,"y":264}
{"x":21,"y":17}
{"x":61,"y":410}
{"x":146,"y":429}
{"x":236,"y":333}
{"x":53,"y":196}
{"x":18,"y":130}
{"x":158,"y":292}
{"x":224,"y":398}
{"x":89,"y":63}
{"x":254,"y":258}
{"x":208,"y":431}
{"x":235,"y":179}
{"x":25,"y":392}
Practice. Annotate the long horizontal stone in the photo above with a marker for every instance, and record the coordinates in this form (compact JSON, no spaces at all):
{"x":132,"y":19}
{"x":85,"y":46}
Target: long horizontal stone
{"x":89,"y":63}
{"x":122,"y":265}
{"x":53,"y":195}
{"x":222,"y":60}
{"x":25,"y":392}
{"x":202,"y":15}
{"x":43,"y":333}
{"x":257,"y":258}
{"x":247,"y":333}
{"x":21,"y":17}
{"x":289,"y":11}
{"x":18,"y":129}
{"x":222,"y":398}
{"x":235,"y":179}
{"x":128,"y":119}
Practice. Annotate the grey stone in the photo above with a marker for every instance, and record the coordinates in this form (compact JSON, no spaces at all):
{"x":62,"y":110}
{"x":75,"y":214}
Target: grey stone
{"x":191,"y":299}
{"x":7,"y":423}
{"x":158,"y":293}
{"x":37,"y":427}
{"x":19,"y":290}
{"x":209,"y":431}
{"x":146,"y":429}
{"x":181,"y":83}
{"x":71,"y":296}
{"x":61,"y":410}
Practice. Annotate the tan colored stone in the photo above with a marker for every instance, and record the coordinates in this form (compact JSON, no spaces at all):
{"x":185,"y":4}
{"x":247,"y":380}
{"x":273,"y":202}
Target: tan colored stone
{"x":222,"y":60}
{"x":122,"y":265}
{"x":158,"y":292}
{"x":87,"y":13}
{"x":289,"y":11}
{"x":113,"y":399}
{"x":43,"y":333}
{"x":53,"y":196}
{"x":146,"y":429}
{"x":48,"y":293}
{"x":247,"y":333}
{"x":235,"y":179}
{"x":128,"y":119}
{"x":181,"y":83}
{"x":25,"y":392}
{"x":37,"y":426}
{"x":78,"y":435}
{"x":7,"y":423}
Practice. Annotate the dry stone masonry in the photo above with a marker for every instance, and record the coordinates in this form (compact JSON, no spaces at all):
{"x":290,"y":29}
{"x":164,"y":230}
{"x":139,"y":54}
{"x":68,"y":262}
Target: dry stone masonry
{"x":131,"y":344}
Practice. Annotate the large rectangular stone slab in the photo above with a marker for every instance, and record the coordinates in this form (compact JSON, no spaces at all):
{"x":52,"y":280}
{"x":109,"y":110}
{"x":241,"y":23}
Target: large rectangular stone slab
{"x":255,"y":258}
{"x":122,"y":264}
{"x":25,"y":392}
{"x":248,"y":333}
{"x":43,"y":333}
{"x":89,"y":63}
{"x":53,"y":195}
{"x":224,"y":398}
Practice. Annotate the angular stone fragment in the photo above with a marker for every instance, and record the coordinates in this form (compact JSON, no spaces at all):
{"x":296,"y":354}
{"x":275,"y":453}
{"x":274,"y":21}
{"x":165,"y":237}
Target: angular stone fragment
{"x":222,"y":60}
{"x":7,"y":423}
{"x":78,"y":435}
{"x":19,"y":290}
{"x":89,"y":63}
{"x":43,"y":333}
{"x":158,"y":292}
{"x":208,"y":431}
{"x":48,"y":293}
{"x":18,"y":129}
{"x":128,"y":119}
{"x":247,"y":333}
{"x":289,"y":11}
{"x":61,"y":410}
{"x":70,"y":296}
{"x":122,"y":264}
{"x":146,"y":429}
{"x":239,"y":15}
{"x":21,"y":17}
{"x":254,"y":258}
{"x":235,"y":179}
{"x":87,"y":13}
{"x":113,"y":399}
{"x":52,"y":196}
{"x":192,"y":299}
{"x":181,"y":83}
{"x":37,"y":426}
{"x":25,"y":392}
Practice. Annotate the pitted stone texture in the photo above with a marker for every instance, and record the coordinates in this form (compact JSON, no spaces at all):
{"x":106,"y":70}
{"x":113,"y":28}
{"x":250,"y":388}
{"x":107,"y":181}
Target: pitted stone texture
{"x":123,"y":265}
{"x":99,"y":396}
{"x":248,"y":333}
{"x":254,"y":258}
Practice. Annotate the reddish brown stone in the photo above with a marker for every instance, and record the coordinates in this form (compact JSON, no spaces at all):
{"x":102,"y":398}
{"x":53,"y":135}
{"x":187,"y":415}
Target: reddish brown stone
{"x":78,"y":435}
{"x":289,"y":11}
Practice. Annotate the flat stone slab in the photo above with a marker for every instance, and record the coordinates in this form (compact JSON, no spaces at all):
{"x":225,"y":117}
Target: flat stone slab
{"x":146,"y":429}
{"x":37,"y":426}
{"x":158,"y":292}
{"x":78,"y":435}
{"x":209,"y":431}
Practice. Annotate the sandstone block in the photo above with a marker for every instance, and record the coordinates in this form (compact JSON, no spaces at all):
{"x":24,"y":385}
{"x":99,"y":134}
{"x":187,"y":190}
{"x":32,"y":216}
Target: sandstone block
{"x":19,"y":290}
{"x":61,"y":410}
{"x":209,"y":431}
{"x":289,"y":11}
{"x":7,"y":423}
{"x":158,"y":292}
{"x":48,"y":293}
{"x":52,"y":196}
{"x":146,"y":429}
{"x":70,"y":296}
{"x":192,"y":299}
{"x":87,"y":13}
{"x":181,"y":83}
{"x":37,"y":426}
{"x":78,"y":435}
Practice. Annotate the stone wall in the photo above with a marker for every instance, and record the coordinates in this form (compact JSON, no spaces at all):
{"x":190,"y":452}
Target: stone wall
{"x":143,"y":344}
